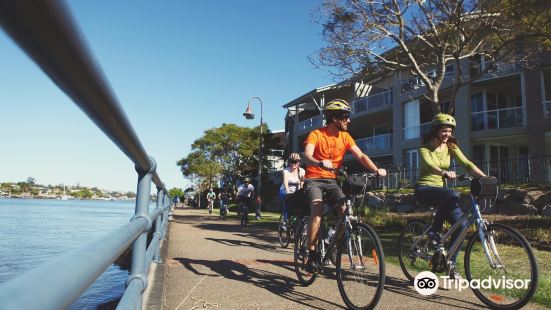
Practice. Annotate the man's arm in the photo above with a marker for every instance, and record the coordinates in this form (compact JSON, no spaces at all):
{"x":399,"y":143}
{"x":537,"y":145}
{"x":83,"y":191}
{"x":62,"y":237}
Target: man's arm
{"x":366,"y":161}
{"x":309,"y":155}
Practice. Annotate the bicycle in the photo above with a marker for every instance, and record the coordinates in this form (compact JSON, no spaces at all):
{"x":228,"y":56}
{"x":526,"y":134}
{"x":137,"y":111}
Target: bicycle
{"x":223,"y":211}
{"x":243,"y":213}
{"x":495,"y":251}
{"x":357,"y":253}
{"x":210,"y":205}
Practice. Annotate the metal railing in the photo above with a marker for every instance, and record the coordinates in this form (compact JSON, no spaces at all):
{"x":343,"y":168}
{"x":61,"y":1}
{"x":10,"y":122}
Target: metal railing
{"x":311,"y":123}
{"x":497,"y":69}
{"x":519,"y":170}
{"x":375,"y":143}
{"x":46,"y":32}
{"x":372,"y":102}
{"x":499,"y":118}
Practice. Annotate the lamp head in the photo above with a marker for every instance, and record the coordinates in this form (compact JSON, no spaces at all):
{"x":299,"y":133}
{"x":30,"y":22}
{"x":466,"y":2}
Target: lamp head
{"x":249,"y":112}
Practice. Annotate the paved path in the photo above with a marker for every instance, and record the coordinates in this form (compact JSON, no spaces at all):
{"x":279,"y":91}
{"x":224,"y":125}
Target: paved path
{"x":215,"y":264}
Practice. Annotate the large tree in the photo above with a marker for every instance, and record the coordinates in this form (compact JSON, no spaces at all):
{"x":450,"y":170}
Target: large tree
{"x":227,"y":152}
{"x":424,"y":36}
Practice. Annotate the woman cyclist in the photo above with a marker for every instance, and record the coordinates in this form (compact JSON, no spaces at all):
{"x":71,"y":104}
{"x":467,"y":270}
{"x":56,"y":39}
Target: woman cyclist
{"x":437,"y":149}
{"x":293,"y":179}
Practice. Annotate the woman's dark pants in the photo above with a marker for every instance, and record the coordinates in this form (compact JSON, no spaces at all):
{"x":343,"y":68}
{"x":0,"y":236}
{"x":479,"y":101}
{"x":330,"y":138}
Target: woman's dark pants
{"x":445,"y":201}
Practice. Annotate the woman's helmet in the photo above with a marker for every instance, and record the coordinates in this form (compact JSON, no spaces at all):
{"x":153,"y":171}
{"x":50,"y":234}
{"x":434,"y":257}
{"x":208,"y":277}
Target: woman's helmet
{"x":339,"y":105}
{"x":443,"y":119}
{"x":294,"y":158}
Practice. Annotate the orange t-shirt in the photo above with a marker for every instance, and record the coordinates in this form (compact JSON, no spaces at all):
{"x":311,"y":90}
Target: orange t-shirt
{"x":327,"y":146}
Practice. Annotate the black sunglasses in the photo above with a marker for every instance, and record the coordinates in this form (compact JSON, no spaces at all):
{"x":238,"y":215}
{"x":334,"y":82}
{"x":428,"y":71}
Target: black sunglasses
{"x":294,"y":161}
{"x":344,"y":116}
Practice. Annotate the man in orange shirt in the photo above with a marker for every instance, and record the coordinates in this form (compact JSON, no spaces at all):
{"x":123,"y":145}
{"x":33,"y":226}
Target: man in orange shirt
{"x":324,"y":151}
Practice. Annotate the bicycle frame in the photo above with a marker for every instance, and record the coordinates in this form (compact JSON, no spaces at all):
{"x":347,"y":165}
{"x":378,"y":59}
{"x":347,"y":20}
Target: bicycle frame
{"x":472,"y":217}
{"x":343,"y":232}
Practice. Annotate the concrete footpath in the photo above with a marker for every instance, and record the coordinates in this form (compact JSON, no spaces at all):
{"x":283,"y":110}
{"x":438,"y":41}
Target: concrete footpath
{"x":210,"y":263}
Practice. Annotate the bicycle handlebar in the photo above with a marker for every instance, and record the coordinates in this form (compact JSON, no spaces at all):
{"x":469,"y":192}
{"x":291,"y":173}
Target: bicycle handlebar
{"x":343,"y":172}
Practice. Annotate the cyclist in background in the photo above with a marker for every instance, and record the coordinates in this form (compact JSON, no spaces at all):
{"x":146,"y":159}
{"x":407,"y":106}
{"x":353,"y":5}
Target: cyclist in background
{"x":293,"y":180}
{"x":210,"y":198}
{"x":223,"y":200}
{"x":324,"y":150}
{"x":245,"y":192}
{"x":437,"y":149}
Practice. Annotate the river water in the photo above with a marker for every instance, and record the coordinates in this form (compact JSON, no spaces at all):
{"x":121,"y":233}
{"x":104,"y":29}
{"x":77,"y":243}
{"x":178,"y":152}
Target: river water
{"x":34,"y":231}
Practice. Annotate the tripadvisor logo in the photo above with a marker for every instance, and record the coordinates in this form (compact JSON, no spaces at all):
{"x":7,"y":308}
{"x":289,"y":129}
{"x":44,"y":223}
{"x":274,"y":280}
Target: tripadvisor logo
{"x":488,"y":283}
{"x":426,"y":283}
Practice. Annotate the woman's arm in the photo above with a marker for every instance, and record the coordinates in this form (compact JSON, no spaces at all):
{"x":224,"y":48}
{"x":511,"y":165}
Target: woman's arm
{"x":461,"y":158}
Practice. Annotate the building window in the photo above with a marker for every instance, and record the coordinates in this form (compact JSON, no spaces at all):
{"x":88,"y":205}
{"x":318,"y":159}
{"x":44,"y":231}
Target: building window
{"x":412,"y":165}
{"x":411,"y":120}
{"x":477,"y":105}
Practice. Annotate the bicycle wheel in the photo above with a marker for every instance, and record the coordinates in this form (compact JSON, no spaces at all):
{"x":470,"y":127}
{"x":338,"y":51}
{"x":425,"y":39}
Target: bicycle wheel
{"x":415,"y":252}
{"x":300,"y":255}
{"x":361,"y":268}
{"x":515,"y":267}
{"x":283,"y":232}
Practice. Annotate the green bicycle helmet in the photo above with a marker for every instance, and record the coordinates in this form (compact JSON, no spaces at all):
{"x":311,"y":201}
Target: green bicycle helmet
{"x":443,"y":119}
{"x":337,"y":105}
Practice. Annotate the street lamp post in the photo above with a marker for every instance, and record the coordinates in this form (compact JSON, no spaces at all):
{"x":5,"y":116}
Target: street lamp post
{"x":250,"y":115}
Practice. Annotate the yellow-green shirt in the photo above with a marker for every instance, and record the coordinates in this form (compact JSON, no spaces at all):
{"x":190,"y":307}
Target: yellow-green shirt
{"x":432,"y":158}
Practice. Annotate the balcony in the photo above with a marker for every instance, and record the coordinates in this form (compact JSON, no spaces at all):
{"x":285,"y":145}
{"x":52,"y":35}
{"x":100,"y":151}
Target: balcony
{"x":375,"y":144}
{"x":547,"y":109}
{"x":499,"y":119}
{"x":413,"y":132}
{"x":497,"y":69}
{"x":372,"y":102}
{"x":310,"y":124}
{"x":412,"y":84}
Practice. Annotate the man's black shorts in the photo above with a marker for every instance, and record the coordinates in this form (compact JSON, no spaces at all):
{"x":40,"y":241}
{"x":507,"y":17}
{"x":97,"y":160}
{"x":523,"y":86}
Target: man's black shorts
{"x":315,"y":188}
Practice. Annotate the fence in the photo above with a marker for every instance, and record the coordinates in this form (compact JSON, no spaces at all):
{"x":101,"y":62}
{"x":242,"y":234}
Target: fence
{"x":45,"y":31}
{"x":521,"y":170}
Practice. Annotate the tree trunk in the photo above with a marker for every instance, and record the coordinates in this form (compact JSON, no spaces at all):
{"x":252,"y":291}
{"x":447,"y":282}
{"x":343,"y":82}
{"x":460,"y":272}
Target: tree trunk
{"x":433,"y":97}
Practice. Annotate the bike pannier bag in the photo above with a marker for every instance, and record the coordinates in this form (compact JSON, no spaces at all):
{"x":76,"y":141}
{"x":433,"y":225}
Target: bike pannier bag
{"x":355,"y":183}
{"x":296,"y":203}
{"x":484,"y":187}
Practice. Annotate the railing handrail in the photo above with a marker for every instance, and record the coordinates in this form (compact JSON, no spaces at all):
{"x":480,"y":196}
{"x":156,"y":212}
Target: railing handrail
{"x":418,"y":125}
{"x":497,"y":110}
{"x":388,"y":91}
{"x":374,"y":137}
{"x":310,"y":121}
{"x":45,"y":30}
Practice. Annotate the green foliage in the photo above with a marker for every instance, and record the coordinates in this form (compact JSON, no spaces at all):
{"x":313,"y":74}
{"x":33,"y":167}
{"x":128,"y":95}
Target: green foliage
{"x":175,"y":192}
{"x":227,"y":152}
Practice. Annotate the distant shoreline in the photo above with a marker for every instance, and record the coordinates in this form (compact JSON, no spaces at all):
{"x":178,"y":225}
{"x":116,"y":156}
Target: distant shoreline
{"x":56,"y":198}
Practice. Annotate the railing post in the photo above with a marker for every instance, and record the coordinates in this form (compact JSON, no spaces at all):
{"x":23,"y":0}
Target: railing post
{"x":139,"y":247}
{"x":158,"y":225}
{"x":166,"y":207}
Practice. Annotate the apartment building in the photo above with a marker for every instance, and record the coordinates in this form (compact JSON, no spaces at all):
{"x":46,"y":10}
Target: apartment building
{"x":504,"y":118}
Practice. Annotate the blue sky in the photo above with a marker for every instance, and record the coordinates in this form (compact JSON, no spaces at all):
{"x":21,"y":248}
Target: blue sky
{"x":176,"y":67}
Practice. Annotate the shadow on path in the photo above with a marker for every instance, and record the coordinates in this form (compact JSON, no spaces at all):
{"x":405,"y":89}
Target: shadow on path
{"x":277,"y":284}
{"x":402,"y":287}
